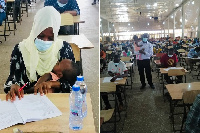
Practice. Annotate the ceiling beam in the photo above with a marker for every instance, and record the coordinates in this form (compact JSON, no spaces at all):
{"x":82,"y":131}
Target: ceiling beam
{"x":175,"y":9}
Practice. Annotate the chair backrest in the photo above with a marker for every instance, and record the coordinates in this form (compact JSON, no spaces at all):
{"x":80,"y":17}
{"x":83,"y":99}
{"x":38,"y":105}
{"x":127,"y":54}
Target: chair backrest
{"x":66,"y":19}
{"x":76,"y":51}
{"x":176,"y":72}
{"x":189,"y":96}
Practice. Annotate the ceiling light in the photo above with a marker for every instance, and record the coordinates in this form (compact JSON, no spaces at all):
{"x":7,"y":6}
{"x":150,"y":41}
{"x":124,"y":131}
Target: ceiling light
{"x":150,"y":17}
{"x":147,"y":23}
{"x":171,"y":16}
{"x":132,"y":27}
{"x":176,"y":5}
{"x":193,"y":2}
{"x":113,"y":25}
{"x":155,"y":4}
{"x":163,"y":22}
{"x":180,"y":20}
{"x":128,"y":23}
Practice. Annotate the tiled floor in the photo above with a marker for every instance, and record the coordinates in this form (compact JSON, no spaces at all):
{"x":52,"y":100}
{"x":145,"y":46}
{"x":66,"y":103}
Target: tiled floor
{"x":147,"y":112}
{"x":90,"y":57}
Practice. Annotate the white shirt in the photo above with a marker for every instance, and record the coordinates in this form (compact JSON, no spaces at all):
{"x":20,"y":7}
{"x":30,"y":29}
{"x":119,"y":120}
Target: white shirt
{"x":117,"y":69}
{"x":148,"y":49}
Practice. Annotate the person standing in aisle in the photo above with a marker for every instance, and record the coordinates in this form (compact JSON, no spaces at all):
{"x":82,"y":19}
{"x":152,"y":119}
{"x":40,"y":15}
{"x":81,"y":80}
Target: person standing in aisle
{"x":143,"y":61}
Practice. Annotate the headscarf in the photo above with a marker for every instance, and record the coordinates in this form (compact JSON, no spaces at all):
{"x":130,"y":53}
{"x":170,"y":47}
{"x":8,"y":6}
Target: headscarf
{"x":34,"y":60}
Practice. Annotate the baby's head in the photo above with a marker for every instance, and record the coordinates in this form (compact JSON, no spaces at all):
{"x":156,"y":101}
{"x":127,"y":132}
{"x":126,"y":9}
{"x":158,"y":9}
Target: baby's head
{"x":67,"y":69}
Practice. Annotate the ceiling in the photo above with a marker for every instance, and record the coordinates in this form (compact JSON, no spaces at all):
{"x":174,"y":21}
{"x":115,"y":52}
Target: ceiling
{"x":143,"y":15}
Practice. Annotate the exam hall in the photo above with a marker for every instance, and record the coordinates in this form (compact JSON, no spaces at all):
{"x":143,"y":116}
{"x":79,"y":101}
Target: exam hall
{"x":149,"y":66}
{"x":82,"y":35}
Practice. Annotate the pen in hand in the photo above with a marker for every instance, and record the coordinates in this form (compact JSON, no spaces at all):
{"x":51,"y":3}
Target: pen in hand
{"x":23,"y":86}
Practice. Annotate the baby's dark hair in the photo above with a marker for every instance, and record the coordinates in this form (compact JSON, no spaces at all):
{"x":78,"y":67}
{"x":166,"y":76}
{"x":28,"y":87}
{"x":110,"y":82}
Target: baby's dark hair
{"x":70,"y":75}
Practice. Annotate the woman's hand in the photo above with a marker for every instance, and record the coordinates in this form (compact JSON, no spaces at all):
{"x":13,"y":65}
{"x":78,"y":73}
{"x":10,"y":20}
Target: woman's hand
{"x":14,"y":90}
{"x":113,"y":79}
{"x":42,"y":88}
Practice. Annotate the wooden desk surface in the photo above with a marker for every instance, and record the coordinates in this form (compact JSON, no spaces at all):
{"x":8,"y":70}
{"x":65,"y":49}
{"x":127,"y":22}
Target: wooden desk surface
{"x":77,"y":19}
{"x":162,"y":71}
{"x":129,"y":65}
{"x":109,"y":52}
{"x":80,"y":40}
{"x":61,"y":123}
{"x":176,"y":90}
{"x":10,"y":0}
{"x":111,"y":86}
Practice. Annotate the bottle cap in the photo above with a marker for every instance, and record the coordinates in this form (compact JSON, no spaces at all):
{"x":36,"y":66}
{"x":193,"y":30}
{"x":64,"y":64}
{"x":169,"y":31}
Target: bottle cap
{"x":79,"y":78}
{"x":75,"y":87}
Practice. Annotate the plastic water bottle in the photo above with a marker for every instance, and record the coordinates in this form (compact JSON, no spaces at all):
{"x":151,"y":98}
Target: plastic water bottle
{"x":75,"y":101}
{"x":83,"y":90}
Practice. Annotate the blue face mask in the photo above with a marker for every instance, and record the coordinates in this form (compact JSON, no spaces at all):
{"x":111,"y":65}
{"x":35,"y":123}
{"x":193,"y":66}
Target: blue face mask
{"x":116,"y":64}
{"x":144,"y":39}
{"x":60,"y":4}
{"x":42,"y":45}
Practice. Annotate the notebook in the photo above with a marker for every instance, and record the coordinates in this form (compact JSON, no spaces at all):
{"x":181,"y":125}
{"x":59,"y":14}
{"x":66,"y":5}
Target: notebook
{"x":28,"y":109}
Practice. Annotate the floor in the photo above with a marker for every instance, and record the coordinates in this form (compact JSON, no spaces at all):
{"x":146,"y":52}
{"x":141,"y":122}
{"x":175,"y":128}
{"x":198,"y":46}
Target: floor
{"x":90,"y":57}
{"x":146,"y":112}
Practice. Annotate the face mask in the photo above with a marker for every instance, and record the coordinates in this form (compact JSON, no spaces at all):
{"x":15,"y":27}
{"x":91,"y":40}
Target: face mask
{"x":170,"y":55}
{"x":60,"y":4}
{"x":144,"y":39}
{"x":42,"y":45}
{"x":116,"y":64}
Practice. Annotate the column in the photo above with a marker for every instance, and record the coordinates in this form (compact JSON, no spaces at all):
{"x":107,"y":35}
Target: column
{"x":109,"y":30}
{"x":198,"y":30}
{"x":101,"y":26}
{"x":168,"y":27}
{"x":174,"y":26}
{"x":183,"y":21}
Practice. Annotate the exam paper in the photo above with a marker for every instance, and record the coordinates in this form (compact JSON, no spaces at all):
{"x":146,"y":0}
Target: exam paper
{"x":107,"y":79}
{"x":167,"y":69}
{"x":28,"y":109}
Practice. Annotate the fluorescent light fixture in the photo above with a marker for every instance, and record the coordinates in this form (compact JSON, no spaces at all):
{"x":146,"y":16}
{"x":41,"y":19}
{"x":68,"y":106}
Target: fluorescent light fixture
{"x":150,"y":17}
{"x":132,"y":27}
{"x":163,"y":22}
{"x":155,"y":4}
{"x":177,"y":5}
{"x":113,"y":25}
{"x":147,"y":23}
{"x":171,"y":16}
{"x":128,"y":23}
{"x":193,"y":2}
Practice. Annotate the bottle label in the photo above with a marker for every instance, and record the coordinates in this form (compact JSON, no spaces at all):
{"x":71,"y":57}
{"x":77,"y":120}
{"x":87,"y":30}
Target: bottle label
{"x":74,"y":112}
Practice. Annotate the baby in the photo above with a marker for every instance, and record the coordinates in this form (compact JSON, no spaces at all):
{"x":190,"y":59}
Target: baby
{"x":66,"y":70}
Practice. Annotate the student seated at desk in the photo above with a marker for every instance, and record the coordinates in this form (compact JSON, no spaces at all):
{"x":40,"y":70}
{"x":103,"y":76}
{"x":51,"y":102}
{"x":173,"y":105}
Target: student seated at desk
{"x":66,"y":70}
{"x":103,"y":59}
{"x":169,"y":60}
{"x":65,"y":6}
{"x":126,"y":53}
{"x":116,"y":69}
{"x":2,"y":11}
{"x":38,"y":54}
{"x":194,"y":52}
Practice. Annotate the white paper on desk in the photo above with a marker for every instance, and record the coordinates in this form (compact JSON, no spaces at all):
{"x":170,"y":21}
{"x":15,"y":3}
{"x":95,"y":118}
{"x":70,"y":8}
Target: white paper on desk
{"x":107,"y":79}
{"x":9,"y":115}
{"x":35,"y":108}
{"x":167,"y":69}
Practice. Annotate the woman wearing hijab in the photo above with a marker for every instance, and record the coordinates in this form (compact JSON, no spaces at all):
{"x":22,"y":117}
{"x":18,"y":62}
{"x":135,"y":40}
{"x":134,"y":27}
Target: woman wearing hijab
{"x":38,"y":54}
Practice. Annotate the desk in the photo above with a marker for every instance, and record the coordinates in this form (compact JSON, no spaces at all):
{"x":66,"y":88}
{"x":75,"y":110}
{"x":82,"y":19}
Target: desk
{"x":176,"y":90}
{"x":80,"y":40}
{"x":163,"y":71}
{"x":61,"y":123}
{"x":111,"y":86}
{"x":109,"y":52}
